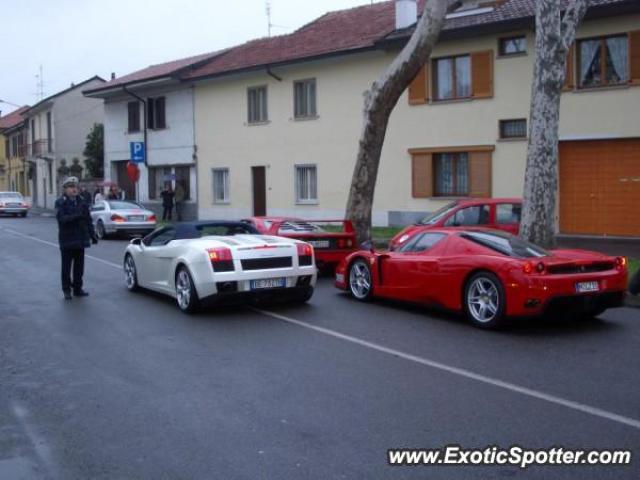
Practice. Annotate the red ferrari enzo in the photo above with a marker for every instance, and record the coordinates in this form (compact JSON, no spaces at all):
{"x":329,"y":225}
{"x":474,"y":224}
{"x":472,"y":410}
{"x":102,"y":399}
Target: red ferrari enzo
{"x":489,"y":275}
{"x":332,"y":240}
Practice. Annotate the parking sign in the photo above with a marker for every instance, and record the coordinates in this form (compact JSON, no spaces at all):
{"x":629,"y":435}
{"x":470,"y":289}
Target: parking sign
{"x":137,"y":151}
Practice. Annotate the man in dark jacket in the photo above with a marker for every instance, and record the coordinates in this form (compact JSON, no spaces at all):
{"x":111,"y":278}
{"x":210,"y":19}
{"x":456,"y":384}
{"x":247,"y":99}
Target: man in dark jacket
{"x":75,"y":233}
{"x":167,"y":202}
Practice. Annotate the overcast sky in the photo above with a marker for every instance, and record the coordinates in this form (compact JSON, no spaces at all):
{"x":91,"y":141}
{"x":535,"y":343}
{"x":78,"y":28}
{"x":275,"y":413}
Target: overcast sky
{"x":76,"y":39}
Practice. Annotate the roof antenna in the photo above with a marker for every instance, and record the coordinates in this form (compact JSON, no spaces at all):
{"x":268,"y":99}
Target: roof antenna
{"x":268,"y":17}
{"x":40,"y":84}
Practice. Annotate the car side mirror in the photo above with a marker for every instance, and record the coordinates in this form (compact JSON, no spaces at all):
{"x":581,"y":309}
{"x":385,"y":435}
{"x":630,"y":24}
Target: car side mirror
{"x":136,"y":241}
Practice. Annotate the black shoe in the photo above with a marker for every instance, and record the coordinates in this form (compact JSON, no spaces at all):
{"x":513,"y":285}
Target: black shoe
{"x":80,"y":293}
{"x":67,"y":295}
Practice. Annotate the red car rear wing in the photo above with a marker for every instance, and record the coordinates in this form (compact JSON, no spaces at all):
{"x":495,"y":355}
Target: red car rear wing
{"x":307,"y":226}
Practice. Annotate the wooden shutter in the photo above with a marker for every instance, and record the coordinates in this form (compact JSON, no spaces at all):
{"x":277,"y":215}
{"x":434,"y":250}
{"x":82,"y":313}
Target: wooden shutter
{"x":482,"y":74}
{"x":422,"y":175}
{"x":480,"y":174}
{"x":569,"y":80}
{"x":634,"y":57}
{"x":419,"y":87}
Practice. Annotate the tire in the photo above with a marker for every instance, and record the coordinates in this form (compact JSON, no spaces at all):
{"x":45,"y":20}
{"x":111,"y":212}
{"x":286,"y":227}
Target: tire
{"x":360,"y":283}
{"x":130,"y":274}
{"x":186,"y":295}
{"x":100,"y":231}
{"x":23,"y":215}
{"x":304,"y":297}
{"x":484,"y":301}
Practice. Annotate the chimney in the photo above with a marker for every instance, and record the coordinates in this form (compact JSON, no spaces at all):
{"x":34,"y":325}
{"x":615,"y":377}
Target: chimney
{"x":406,"y":13}
{"x":113,"y":75}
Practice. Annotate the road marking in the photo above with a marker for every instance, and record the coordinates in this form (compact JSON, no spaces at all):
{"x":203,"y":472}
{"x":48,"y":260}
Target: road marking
{"x":111,"y":264}
{"x":581,"y":407}
{"x":598,"y":412}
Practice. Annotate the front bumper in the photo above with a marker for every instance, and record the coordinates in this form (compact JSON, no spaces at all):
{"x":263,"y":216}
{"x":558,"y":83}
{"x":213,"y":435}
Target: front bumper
{"x":13,"y":210}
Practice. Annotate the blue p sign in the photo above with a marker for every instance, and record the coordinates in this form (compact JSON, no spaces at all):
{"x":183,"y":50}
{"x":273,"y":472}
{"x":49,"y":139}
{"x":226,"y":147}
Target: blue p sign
{"x":137,"y":151}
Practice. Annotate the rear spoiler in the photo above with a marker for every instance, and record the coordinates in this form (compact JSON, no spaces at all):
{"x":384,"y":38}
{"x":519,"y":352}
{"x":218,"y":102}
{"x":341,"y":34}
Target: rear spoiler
{"x":347,"y":225}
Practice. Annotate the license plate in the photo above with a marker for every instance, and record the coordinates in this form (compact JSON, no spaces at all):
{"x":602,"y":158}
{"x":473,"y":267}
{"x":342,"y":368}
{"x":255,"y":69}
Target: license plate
{"x":136,"y":218}
{"x":268,"y":283}
{"x":320,"y":243}
{"x":583,"y":287}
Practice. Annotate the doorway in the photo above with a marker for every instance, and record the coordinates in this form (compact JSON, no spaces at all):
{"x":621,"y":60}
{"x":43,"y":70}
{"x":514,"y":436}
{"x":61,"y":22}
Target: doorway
{"x":259,"y":190}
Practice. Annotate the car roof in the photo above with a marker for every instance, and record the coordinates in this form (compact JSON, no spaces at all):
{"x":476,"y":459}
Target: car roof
{"x":490,"y":201}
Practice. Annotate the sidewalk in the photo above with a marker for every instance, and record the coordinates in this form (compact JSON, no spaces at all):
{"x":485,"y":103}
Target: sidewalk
{"x":42,"y":212}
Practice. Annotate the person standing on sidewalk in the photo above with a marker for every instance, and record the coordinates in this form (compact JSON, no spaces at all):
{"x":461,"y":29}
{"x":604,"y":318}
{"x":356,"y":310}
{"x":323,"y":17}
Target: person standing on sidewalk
{"x":75,"y":233}
{"x":167,"y":202}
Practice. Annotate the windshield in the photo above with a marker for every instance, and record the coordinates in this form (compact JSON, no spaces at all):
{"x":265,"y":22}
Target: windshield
{"x":115,"y":205}
{"x":506,"y":244}
{"x":11,"y":195}
{"x":438,"y":214}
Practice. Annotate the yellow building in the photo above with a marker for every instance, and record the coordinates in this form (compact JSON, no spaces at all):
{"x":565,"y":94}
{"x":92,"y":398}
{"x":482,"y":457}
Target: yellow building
{"x":13,"y":166}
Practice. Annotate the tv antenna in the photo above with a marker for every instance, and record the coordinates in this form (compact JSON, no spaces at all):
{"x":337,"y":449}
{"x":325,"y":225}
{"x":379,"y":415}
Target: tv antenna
{"x":40,"y":84}
{"x":269,"y":24}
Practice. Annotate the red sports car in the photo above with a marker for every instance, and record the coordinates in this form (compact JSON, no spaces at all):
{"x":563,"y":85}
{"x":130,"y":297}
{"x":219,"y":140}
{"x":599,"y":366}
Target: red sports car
{"x":332,"y":240}
{"x":495,"y":213}
{"x":487,"y":274}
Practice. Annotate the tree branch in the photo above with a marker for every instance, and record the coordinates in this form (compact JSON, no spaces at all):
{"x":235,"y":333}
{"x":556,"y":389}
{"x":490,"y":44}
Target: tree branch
{"x":572,"y":17}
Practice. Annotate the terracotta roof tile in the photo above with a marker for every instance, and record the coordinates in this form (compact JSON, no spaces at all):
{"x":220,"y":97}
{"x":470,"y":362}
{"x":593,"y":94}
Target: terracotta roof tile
{"x":13,"y":119}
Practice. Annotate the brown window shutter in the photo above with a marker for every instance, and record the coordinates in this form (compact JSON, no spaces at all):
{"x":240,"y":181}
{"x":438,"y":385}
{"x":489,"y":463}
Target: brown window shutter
{"x":569,"y":80}
{"x":634,"y":57}
{"x":419,"y":87}
{"x":480,"y":174}
{"x":422,"y":175}
{"x":482,"y":74}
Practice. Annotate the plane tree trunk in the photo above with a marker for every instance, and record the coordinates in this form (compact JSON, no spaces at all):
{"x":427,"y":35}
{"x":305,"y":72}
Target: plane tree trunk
{"x":379,"y":102}
{"x":554,"y":35}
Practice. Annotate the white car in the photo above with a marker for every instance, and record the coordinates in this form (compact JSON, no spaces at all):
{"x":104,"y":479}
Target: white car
{"x":213,"y":262}
{"x":13,"y":203}
{"x":121,"y":216}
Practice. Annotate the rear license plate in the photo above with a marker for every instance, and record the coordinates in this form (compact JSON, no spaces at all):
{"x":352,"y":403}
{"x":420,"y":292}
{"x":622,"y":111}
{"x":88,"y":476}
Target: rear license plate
{"x":268,"y":283}
{"x":320,"y":243}
{"x":136,"y":218}
{"x":584,"y":287}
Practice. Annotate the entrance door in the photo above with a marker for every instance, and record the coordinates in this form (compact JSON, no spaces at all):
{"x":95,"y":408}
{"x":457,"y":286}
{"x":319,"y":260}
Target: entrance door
{"x":259,"y":191}
{"x":124,"y":182}
{"x":599,"y":187}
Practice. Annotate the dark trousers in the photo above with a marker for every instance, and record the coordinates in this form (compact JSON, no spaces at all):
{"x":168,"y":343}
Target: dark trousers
{"x":166,"y":213}
{"x":75,"y":256}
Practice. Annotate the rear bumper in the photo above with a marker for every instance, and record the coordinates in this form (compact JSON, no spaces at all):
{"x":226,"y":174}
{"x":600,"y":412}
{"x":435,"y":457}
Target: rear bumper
{"x":557,"y":293}
{"x":271,"y":295}
{"x":130,"y":227}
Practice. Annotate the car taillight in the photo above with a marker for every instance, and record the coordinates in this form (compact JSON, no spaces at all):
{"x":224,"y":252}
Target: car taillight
{"x":621,"y":263}
{"x":151,"y":218}
{"x":117,"y":218}
{"x":530,"y":267}
{"x":221,"y":259}
{"x":304,"y":249}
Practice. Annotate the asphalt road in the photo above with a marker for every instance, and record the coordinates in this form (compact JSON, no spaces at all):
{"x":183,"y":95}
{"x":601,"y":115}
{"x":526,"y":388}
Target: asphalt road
{"x":124,"y":386}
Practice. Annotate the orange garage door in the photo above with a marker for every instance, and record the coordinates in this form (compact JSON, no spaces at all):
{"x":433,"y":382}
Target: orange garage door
{"x":600,"y":187}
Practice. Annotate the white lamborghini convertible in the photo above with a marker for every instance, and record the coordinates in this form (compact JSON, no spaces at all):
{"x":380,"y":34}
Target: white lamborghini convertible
{"x":215,"y":262}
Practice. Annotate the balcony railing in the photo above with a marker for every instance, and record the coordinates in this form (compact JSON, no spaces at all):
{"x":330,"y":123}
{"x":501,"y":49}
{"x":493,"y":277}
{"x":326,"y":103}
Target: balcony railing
{"x":39,"y":147}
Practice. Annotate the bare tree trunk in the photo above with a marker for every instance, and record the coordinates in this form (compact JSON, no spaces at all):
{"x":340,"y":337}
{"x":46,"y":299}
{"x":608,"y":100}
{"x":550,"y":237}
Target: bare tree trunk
{"x":554,"y":36}
{"x":378,"y":105}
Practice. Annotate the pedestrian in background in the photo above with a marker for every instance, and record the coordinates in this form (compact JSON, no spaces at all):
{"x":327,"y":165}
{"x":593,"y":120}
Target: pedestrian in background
{"x":85,"y":195}
{"x":75,"y":233}
{"x":167,"y":202}
{"x":98,"y":196}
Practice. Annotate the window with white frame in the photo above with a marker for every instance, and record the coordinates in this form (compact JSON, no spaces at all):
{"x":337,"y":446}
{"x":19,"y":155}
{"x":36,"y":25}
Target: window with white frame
{"x":306,"y":184}
{"x":257,"y":105}
{"x":220,"y":185}
{"x":304,"y":93}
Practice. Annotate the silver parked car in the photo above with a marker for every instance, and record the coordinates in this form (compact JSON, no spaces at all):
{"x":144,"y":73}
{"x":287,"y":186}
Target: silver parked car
{"x":13,"y":203}
{"x":121,"y":216}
